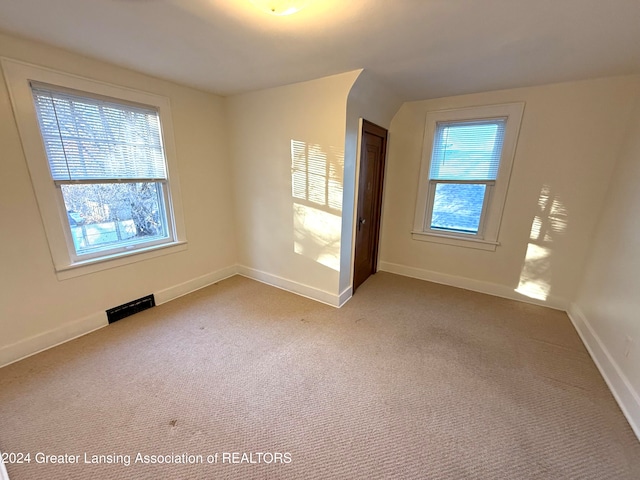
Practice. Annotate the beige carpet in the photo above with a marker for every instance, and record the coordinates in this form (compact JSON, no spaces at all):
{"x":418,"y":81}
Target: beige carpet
{"x":410,"y":380}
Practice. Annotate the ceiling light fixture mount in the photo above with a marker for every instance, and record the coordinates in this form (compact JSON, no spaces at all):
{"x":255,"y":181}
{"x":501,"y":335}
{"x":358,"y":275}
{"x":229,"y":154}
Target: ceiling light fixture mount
{"x":280,"y":7}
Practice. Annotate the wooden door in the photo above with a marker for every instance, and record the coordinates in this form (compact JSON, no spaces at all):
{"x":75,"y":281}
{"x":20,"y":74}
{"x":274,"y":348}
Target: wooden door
{"x":372,"y":158}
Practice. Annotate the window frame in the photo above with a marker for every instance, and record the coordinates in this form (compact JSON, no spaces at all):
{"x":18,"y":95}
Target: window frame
{"x":496,"y":191}
{"x":433,"y":184}
{"x":124,"y":246}
{"x":19,"y":76}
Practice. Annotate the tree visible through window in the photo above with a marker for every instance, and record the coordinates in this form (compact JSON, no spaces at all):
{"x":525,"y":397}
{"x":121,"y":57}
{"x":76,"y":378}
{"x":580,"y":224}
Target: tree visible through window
{"x":106,"y":214}
{"x":107,"y":159}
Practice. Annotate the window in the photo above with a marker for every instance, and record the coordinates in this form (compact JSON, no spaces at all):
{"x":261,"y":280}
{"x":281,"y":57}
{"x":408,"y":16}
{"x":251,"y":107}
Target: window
{"x":467,"y":159}
{"x":103,"y":168}
{"x":107,"y":161}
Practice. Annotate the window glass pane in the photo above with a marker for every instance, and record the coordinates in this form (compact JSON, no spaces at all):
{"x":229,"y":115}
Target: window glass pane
{"x":467,"y":150}
{"x":112,"y":215}
{"x":457,"y":207}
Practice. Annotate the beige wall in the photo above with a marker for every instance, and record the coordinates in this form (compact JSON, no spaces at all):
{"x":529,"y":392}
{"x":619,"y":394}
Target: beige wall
{"x":245,"y":202}
{"x":288,"y":230}
{"x":607,"y":306}
{"x":33,"y":301}
{"x":371,"y":100}
{"x":569,"y":140}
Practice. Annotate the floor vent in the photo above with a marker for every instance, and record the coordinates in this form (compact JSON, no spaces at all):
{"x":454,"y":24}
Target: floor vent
{"x":118,"y":313}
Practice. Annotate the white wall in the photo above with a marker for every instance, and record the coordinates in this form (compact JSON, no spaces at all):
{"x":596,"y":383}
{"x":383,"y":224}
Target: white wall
{"x":607,"y":306}
{"x":36,"y":309}
{"x":569,"y":139}
{"x":288,"y":231}
{"x":371,"y":100}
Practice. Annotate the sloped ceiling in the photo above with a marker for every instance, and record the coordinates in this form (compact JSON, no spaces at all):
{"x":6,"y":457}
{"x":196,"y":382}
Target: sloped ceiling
{"x":420,"y":48}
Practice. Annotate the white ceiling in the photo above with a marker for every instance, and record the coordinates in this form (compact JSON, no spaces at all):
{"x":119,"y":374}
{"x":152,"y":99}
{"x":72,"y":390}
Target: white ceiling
{"x":421,"y":48}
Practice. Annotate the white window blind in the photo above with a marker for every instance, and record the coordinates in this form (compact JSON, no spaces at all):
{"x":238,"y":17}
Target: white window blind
{"x":89,"y":138}
{"x":467,"y":150}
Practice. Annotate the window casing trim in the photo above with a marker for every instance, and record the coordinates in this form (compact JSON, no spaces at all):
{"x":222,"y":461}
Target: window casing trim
{"x":495,"y":197}
{"x":19,"y":76}
{"x":115,"y":260}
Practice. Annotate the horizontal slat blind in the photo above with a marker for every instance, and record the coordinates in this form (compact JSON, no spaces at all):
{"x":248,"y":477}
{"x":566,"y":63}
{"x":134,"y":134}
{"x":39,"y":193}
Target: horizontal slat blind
{"x":95,"y":139}
{"x":467,"y":150}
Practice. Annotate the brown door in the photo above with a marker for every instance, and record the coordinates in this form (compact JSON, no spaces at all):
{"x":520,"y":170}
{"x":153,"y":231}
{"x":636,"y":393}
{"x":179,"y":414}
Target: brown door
{"x":374,"y":146}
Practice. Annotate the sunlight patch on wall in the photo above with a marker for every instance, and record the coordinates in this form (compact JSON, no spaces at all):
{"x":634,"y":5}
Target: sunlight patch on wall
{"x":316,"y":174}
{"x":535,"y":274}
{"x":549,"y":222}
{"x":317,"y":235}
{"x":316,"y":187}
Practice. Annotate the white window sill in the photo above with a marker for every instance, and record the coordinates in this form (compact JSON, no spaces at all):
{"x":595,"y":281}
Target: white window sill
{"x":455,"y":240}
{"x":64,"y":272}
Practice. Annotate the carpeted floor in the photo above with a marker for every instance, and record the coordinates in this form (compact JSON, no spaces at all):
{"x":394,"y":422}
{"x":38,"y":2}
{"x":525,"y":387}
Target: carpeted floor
{"x":410,"y":380}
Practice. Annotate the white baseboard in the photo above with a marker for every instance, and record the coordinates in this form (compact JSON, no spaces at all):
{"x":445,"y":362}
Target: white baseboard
{"x":291,"y":286}
{"x":469,"y":284}
{"x":346,"y":294}
{"x":171,"y":293}
{"x":51,"y":338}
{"x":68,"y":331}
{"x":628,"y":399}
